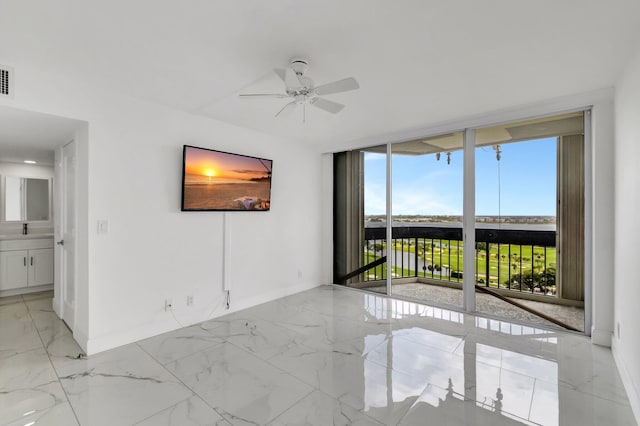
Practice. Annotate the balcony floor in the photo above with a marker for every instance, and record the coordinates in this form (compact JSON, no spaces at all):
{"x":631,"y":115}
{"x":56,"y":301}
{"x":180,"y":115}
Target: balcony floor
{"x":487,"y":304}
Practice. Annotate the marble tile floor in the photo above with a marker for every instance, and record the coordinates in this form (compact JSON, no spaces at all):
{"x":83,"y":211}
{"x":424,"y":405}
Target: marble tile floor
{"x":571,"y":315}
{"x":327,"y":356}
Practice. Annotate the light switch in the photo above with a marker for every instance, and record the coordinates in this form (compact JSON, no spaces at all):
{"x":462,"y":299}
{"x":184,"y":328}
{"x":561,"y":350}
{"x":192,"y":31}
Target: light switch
{"x":103,"y":226}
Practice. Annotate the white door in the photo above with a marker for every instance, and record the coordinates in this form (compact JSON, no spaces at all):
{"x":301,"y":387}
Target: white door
{"x":68,"y":233}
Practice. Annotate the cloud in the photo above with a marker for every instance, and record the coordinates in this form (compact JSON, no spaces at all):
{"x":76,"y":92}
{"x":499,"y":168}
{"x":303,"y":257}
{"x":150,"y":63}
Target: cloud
{"x":418,"y":189}
{"x":423,"y":202}
{"x":370,"y":156}
{"x":375,"y":198}
{"x":411,"y":200}
{"x":250,"y":171}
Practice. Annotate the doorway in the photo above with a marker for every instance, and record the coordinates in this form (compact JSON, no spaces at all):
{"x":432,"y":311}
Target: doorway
{"x":30,"y":145}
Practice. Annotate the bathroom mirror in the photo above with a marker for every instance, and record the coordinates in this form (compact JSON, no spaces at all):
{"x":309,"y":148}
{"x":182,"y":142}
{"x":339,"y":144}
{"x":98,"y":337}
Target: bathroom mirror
{"x":26,"y":199}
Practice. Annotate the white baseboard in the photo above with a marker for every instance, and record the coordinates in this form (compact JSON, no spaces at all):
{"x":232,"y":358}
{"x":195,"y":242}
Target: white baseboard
{"x":111,"y":341}
{"x":55,"y":304}
{"x":168,"y":323}
{"x":601,"y":337}
{"x":239,"y":305}
{"x":81,"y":339}
{"x":25,"y":290}
{"x":632,"y":391}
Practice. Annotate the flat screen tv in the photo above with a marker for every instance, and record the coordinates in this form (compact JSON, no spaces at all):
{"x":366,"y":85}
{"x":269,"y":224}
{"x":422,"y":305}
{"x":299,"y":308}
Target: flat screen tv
{"x":220,"y":181}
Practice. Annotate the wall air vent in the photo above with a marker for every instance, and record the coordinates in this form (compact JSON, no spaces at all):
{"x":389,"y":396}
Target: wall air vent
{"x":6,"y":81}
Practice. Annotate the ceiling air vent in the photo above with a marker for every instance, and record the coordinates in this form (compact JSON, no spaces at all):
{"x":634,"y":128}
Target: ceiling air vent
{"x":6,"y":81}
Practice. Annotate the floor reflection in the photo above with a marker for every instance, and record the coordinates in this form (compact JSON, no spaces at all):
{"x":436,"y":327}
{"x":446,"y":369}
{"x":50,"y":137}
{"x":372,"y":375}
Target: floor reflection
{"x":327,"y":356}
{"x":473,"y":370}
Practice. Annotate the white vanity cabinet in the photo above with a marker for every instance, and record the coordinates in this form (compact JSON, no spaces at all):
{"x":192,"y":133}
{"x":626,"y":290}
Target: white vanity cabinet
{"x":13,"y":269}
{"x":26,"y":262}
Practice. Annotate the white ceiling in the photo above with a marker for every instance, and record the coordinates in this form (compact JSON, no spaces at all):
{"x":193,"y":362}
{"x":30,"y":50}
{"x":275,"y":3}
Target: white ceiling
{"x":26,"y":135}
{"x":418,"y":62}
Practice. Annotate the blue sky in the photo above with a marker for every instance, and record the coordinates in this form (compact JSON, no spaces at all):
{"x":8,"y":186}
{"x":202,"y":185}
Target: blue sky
{"x":423,"y":185}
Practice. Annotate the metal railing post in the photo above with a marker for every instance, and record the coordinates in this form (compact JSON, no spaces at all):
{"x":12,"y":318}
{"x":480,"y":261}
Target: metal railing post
{"x":427,"y":236}
{"x":487,"y":248}
{"x":415,"y":257}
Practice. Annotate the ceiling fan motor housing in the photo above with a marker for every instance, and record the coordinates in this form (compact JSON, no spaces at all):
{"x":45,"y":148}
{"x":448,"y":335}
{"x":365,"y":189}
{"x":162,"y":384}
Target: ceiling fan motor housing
{"x":300,"y":66}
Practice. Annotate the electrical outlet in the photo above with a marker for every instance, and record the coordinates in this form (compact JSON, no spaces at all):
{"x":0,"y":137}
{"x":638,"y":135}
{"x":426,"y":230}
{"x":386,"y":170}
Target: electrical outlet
{"x":190,"y":300}
{"x":168,"y":303}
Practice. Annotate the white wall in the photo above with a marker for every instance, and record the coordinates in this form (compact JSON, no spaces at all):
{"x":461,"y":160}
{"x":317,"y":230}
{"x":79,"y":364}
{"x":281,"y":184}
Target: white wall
{"x":129,"y":173}
{"x":626,"y":343}
{"x":23,"y":170}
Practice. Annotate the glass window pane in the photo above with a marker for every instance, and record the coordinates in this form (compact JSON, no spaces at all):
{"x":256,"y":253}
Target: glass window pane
{"x":427,"y":249}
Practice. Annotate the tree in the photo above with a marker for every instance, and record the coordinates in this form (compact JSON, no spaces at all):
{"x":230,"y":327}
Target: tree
{"x":532,"y":279}
{"x":526,"y":278}
{"x":548,"y":277}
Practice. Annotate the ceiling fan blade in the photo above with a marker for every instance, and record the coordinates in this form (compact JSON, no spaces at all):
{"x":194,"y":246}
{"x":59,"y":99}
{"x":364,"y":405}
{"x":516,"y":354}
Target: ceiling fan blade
{"x":264,"y":95}
{"x":291,"y":79}
{"x":343,"y":85}
{"x":287,"y":108}
{"x":281,"y":73}
{"x":327,"y":105}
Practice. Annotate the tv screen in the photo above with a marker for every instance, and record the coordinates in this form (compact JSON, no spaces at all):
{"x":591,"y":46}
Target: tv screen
{"x":220,"y":181}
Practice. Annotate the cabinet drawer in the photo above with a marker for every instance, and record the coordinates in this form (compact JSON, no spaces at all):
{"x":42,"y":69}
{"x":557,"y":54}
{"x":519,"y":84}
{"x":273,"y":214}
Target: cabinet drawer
{"x":26,"y":244}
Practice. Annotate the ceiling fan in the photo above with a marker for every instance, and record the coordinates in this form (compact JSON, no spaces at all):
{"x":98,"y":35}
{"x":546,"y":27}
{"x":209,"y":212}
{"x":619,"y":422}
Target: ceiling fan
{"x":302,"y":90}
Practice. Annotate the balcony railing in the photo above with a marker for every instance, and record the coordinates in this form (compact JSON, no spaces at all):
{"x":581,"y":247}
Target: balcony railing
{"x":513,"y":259}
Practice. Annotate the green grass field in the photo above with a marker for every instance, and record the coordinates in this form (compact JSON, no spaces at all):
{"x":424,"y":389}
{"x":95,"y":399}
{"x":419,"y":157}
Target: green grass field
{"x":504,"y":261}
{"x":380,"y":271}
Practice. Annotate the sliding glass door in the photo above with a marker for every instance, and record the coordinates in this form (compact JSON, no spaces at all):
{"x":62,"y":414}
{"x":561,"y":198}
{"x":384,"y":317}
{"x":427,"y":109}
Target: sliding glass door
{"x":497,"y":210}
{"x":426,"y":254}
{"x":530,"y":221}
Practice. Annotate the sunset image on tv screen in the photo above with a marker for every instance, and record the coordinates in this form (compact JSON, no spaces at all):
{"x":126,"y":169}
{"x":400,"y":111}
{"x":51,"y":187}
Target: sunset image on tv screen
{"x":215,"y":180}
